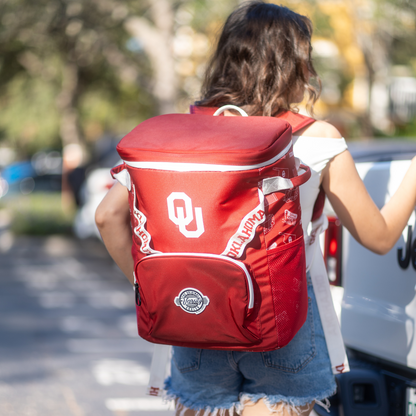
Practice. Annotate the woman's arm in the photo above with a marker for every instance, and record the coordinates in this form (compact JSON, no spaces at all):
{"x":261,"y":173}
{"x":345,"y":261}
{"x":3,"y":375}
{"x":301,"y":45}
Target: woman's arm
{"x":113,"y":221}
{"x":377,"y":230}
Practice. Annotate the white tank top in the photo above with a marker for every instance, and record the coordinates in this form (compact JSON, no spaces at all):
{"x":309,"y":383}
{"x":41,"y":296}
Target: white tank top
{"x":315,"y":152}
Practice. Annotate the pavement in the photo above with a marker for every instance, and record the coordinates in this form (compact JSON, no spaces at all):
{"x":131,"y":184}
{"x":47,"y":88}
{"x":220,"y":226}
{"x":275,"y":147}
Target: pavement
{"x":68,"y":337}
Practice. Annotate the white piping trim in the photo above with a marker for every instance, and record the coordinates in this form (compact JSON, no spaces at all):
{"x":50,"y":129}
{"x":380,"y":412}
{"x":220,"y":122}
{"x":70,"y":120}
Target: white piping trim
{"x":217,"y":256}
{"x":204,"y":167}
{"x":140,"y":229}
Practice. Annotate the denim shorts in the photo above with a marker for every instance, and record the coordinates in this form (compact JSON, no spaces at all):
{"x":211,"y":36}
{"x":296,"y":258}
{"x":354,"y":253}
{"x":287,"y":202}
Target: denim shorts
{"x":215,"y":381}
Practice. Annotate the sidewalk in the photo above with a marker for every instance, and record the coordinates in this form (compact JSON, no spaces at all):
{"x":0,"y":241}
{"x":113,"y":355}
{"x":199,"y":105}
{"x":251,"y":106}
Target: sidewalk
{"x":68,"y":336}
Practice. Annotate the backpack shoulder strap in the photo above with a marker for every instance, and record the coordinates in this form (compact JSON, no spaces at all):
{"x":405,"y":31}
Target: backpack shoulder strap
{"x":297,"y":121}
{"x":318,"y":208}
{"x":195,"y":109}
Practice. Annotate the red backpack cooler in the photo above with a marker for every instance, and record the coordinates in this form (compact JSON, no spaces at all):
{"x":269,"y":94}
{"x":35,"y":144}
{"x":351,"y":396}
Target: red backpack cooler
{"x":217,"y":235}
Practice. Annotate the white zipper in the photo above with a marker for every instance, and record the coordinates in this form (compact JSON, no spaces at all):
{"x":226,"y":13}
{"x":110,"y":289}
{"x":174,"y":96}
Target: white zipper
{"x":204,"y":167}
{"x":216,"y":256}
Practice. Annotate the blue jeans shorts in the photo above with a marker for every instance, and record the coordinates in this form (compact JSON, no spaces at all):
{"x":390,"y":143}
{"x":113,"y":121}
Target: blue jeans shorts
{"x":215,"y":381}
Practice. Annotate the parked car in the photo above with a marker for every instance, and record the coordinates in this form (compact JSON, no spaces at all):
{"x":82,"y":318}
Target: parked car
{"x":95,"y":187}
{"x":42,"y":173}
{"x":375,"y":298}
{"x":96,"y":184}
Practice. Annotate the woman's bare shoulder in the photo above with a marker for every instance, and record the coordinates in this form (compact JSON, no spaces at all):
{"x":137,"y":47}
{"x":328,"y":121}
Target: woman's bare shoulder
{"x":320,"y":129}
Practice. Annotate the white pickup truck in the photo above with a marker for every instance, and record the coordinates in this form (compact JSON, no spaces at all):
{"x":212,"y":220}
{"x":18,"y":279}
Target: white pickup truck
{"x":375,"y":298}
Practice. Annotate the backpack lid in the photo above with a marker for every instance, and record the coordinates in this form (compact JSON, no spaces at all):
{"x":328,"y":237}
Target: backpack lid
{"x":205,"y":139}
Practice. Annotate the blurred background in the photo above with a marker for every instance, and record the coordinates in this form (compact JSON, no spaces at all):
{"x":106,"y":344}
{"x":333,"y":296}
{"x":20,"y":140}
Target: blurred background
{"x":77,"y":75}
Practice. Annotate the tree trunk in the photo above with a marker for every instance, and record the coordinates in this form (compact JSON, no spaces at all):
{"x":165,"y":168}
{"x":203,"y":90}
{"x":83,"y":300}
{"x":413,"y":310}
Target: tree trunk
{"x":69,"y":124}
{"x":73,"y":145}
{"x":156,"y":39}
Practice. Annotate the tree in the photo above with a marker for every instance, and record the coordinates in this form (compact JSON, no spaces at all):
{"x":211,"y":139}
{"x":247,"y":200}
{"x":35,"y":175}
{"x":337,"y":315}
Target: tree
{"x":371,"y":36}
{"x":97,"y":65}
{"x":76,"y":51}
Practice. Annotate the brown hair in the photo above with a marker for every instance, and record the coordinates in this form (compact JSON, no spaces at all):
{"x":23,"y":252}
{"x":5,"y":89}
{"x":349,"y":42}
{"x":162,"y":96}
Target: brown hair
{"x":261,"y":61}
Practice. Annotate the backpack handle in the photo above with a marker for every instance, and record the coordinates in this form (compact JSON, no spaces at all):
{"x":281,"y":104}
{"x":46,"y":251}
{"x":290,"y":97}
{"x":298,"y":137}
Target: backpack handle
{"x":279,"y":183}
{"x":302,"y":178}
{"x":230,"y":107}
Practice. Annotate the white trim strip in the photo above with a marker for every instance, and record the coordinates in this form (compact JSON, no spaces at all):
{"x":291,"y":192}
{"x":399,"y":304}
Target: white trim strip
{"x":246,"y":230}
{"x":204,"y":167}
{"x":330,"y":323}
{"x":217,"y":256}
{"x":124,"y":178}
{"x":140,"y":229}
{"x":276,"y":184}
{"x":160,"y":360}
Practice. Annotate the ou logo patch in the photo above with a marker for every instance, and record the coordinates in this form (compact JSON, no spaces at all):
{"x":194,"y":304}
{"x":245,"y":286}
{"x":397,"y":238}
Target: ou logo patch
{"x":183,"y":218}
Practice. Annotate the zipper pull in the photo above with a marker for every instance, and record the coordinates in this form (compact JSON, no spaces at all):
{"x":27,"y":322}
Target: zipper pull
{"x":136,"y":291}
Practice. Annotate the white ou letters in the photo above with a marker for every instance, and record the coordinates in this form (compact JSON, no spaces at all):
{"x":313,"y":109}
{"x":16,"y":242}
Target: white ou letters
{"x":183,"y":218}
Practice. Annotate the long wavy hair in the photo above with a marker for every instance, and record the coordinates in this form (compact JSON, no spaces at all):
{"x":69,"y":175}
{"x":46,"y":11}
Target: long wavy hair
{"x":262,"y":62}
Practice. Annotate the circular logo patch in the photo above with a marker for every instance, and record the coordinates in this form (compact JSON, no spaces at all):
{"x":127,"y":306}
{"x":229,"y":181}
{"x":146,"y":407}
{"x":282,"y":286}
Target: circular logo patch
{"x":191,"y":300}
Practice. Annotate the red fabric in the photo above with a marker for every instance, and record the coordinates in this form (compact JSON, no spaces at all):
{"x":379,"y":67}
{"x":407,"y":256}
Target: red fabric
{"x":194,"y":109}
{"x":205,"y":139}
{"x":286,"y":264}
{"x":297,"y":121}
{"x":318,"y":208}
{"x":225,"y":199}
{"x":229,"y":205}
{"x":222,"y":282}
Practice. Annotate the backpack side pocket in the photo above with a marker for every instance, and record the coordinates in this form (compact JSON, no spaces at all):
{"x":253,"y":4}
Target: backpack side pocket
{"x":287,"y":271}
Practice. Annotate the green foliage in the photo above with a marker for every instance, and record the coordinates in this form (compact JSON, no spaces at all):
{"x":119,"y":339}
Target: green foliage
{"x":322,"y":23}
{"x":29,"y":118}
{"x":115,"y":112}
{"x":64,"y":59}
{"x":408,"y":130}
{"x":38,"y":214}
{"x":207,"y":13}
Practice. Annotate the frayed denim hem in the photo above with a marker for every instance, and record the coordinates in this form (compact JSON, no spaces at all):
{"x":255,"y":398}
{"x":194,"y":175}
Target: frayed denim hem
{"x":181,"y":409}
{"x":290,"y":404}
{"x":182,"y":404}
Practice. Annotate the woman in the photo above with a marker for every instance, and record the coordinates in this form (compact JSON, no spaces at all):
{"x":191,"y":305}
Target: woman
{"x":263,"y":64}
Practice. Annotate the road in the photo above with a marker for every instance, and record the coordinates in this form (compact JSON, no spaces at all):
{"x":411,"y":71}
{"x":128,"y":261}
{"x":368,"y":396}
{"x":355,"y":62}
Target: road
{"x":68,"y":338}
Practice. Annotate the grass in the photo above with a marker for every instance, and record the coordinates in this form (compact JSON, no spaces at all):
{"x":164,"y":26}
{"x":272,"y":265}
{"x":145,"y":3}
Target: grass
{"x":38,"y":214}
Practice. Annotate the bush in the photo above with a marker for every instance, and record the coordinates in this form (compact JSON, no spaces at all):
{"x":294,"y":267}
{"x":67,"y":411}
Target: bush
{"x":38,"y":214}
